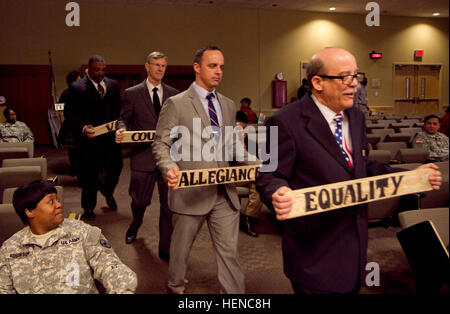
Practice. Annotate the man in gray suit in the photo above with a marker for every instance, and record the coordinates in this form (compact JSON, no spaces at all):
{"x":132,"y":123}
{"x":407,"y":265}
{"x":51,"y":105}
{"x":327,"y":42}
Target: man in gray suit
{"x":217,"y":204}
{"x":140,"y":111}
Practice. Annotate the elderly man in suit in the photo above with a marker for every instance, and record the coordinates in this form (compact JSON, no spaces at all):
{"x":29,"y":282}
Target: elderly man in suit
{"x":92,"y":101}
{"x":321,"y":140}
{"x":217,"y":204}
{"x":141,"y":107}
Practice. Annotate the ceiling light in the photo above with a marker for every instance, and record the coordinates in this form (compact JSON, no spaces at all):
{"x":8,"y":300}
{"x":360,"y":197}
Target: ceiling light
{"x":435,"y":14}
{"x":332,"y":9}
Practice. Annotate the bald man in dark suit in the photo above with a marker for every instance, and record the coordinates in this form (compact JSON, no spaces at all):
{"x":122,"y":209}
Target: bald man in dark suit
{"x":326,"y":252}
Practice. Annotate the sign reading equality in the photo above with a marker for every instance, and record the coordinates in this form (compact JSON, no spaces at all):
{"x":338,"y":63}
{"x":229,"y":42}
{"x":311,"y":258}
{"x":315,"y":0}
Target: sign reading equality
{"x":105,"y":128}
{"x":212,"y":176}
{"x":322,"y":198}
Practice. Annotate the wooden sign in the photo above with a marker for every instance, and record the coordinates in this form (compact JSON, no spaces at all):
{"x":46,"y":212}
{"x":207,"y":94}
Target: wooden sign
{"x":105,"y":128}
{"x":138,"y":136}
{"x":322,"y":198}
{"x":212,"y":176}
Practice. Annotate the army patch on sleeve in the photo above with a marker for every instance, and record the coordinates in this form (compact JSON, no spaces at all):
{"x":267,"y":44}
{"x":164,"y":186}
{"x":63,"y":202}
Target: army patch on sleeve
{"x":105,"y":243}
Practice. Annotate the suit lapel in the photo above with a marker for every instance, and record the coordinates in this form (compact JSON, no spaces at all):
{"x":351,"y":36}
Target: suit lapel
{"x":320,"y":130}
{"x":196,"y":103}
{"x":227,"y":119}
{"x":143,"y":90}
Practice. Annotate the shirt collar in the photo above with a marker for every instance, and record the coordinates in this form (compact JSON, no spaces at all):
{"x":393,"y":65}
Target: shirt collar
{"x":94,"y":82}
{"x":327,"y":113}
{"x":150,"y":86}
{"x":29,"y":238}
{"x":202,"y":93}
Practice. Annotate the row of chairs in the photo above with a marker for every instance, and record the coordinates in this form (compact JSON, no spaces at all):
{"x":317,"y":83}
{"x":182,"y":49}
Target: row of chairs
{"x":18,"y":167}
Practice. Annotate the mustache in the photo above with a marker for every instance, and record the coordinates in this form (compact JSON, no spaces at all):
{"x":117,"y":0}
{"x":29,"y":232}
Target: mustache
{"x":350,"y":91}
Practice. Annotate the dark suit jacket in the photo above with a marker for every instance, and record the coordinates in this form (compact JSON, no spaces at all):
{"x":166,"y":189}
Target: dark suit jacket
{"x":326,"y":251}
{"x":85,"y":106}
{"x":138,"y":113}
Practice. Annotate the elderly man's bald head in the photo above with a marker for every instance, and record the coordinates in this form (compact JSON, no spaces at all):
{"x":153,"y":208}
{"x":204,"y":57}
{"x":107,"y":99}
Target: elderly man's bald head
{"x":324,"y":74}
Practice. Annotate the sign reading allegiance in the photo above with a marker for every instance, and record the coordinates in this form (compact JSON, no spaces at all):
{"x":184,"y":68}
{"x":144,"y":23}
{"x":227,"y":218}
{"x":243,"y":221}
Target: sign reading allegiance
{"x":212,"y":176}
{"x":105,"y":128}
{"x":319,"y":199}
{"x":138,"y":136}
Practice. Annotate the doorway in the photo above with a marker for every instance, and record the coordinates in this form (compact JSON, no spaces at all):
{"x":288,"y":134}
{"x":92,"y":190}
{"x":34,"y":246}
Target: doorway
{"x":416,"y":88}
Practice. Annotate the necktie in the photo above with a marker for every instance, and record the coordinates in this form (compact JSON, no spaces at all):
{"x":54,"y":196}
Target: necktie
{"x":213,"y":115}
{"x":101,"y":90}
{"x":338,"y":136}
{"x":156,"y":102}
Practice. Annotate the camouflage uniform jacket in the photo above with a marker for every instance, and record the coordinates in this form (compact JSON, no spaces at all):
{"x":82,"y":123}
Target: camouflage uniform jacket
{"x":437,"y":145}
{"x":68,"y":262}
{"x":14,"y":133}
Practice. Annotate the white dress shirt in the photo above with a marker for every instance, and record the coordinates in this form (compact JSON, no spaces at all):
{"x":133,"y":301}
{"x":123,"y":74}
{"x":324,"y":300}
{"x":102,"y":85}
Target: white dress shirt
{"x":202,"y":93}
{"x":329,"y":115}
{"x":150,"y":87}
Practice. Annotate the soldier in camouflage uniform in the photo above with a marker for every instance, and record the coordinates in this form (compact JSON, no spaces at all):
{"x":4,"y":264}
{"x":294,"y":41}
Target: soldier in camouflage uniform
{"x":13,"y":130}
{"x":436,"y":143}
{"x":57,"y":255}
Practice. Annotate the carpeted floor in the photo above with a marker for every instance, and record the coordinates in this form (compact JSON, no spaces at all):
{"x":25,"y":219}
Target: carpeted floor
{"x":260,"y":257}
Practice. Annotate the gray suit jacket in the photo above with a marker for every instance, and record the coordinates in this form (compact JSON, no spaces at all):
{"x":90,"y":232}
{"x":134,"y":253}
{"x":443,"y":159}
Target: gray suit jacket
{"x":180,"y":110}
{"x":138,"y":113}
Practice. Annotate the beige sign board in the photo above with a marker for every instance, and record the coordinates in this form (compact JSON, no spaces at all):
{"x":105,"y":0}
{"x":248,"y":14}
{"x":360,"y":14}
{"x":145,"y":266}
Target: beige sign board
{"x":213,"y":176}
{"x":322,"y":198}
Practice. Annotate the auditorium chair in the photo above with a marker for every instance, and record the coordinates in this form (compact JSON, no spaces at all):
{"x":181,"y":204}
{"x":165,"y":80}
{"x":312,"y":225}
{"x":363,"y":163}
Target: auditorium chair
{"x":425,"y":240}
{"x":374,"y":138}
{"x":413,"y":155}
{"x":380,"y":155}
{"x":36,"y":161}
{"x":23,"y":149}
{"x":386,"y":123}
{"x":382,"y":213}
{"x":412,"y":131}
{"x":10,"y":222}
{"x":397,"y":126}
{"x":398,"y":137}
{"x":383,"y":133}
{"x":393,"y":147}
{"x":18,"y":176}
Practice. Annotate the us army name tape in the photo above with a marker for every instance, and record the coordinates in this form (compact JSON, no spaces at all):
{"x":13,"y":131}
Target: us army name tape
{"x":212,"y":176}
{"x":105,"y":128}
{"x":138,"y":136}
{"x":328,"y":197}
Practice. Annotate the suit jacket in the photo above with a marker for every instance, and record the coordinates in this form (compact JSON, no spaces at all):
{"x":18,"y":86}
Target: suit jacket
{"x":180,"y":110}
{"x":85,"y":106}
{"x":138,"y":113}
{"x":326,"y":251}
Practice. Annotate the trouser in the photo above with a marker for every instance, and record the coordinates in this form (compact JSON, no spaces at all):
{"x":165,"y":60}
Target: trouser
{"x":223,"y":224}
{"x":92,"y":166}
{"x":141,"y":191}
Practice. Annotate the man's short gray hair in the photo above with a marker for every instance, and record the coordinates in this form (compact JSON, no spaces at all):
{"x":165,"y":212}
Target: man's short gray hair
{"x":314,"y":67}
{"x":156,"y":55}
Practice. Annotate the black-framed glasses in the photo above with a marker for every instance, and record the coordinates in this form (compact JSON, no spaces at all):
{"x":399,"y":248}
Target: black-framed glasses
{"x":346,"y":79}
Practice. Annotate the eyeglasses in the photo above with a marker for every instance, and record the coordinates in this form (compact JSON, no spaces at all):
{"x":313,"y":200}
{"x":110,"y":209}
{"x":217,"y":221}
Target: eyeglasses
{"x":346,"y":79}
{"x":159,"y":65}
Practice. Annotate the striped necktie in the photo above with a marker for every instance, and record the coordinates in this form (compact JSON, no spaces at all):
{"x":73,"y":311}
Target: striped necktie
{"x":213,"y":116}
{"x":338,"y":135}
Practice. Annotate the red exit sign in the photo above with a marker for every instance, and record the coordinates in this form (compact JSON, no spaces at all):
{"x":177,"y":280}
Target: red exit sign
{"x":375,"y":55}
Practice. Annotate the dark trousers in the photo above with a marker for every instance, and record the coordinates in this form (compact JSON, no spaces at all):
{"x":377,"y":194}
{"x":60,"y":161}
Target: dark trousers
{"x":299,"y":289}
{"x":141,"y":191}
{"x":98,"y":171}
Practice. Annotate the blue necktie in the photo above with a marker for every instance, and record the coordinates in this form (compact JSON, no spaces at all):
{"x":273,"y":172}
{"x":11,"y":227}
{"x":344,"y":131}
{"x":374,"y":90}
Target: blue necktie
{"x":213,"y":116}
{"x":338,"y":136}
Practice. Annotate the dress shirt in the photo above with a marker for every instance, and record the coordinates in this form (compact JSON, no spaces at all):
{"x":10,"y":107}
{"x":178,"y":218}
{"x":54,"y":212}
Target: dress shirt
{"x":329,"y":115}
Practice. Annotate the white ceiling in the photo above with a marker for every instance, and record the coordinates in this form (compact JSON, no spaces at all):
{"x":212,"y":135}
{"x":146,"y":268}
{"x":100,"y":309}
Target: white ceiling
{"x":417,"y":8}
